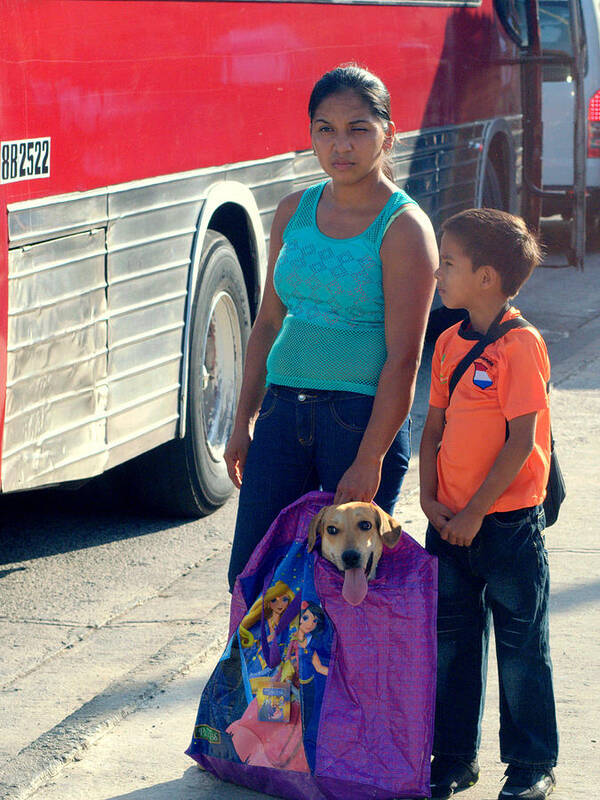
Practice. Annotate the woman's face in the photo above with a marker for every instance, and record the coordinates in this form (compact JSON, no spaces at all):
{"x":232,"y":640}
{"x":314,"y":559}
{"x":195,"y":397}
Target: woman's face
{"x":279,"y":604}
{"x":308,"y":621}
{"x":348,"y":138}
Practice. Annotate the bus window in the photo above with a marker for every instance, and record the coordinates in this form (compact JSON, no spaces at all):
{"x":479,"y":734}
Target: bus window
{"x":555,"y":35}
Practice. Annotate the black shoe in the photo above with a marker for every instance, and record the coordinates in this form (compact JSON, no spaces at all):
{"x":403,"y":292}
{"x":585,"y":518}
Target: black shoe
{"x":451,"y":775}
{"x":527,"y":783}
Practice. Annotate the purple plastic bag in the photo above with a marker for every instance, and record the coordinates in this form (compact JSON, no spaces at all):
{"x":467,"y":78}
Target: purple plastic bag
{"x":361,"y":720}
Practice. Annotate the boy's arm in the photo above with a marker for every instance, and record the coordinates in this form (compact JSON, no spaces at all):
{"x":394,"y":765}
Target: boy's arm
{"x":463,"y":527}
{"x":437,"y":513}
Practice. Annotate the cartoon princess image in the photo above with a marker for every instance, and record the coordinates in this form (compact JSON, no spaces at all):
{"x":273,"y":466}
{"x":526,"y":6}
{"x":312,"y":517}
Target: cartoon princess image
{"x":314,"y":651}
{"x":277,"y":599}
{"x":311,"y":622}
{"x":263,"y":743}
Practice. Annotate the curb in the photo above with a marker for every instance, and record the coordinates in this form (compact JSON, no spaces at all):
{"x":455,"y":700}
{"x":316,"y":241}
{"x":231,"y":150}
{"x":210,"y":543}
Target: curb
{"x":44,"y":758}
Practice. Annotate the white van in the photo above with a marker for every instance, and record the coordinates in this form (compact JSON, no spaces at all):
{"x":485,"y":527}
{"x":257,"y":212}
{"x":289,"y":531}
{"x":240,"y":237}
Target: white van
{"x":558,"y":106}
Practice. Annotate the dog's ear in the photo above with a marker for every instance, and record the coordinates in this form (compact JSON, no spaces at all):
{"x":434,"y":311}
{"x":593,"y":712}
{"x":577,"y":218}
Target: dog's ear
{"x":315,"y":527}
{"x":389,"y":528}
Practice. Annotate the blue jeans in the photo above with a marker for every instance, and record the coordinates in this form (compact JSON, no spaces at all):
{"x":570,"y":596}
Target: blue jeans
{"x":503,"y":574}
{"x":304,"y":441}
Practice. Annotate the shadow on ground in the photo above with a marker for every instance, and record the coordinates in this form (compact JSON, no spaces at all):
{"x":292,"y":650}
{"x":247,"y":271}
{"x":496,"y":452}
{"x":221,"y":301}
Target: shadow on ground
{"x":50,"y":521}
{"x":193,"y":785}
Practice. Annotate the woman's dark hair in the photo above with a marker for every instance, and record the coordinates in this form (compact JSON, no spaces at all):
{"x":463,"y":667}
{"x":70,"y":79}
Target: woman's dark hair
{"x":367,"y":86}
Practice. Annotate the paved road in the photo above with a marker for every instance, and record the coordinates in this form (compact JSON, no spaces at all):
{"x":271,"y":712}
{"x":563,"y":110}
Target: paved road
{"x":104,"y":614}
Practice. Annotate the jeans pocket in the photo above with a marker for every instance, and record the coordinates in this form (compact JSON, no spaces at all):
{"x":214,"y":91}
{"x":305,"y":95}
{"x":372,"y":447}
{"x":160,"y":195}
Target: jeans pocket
{"x":352,"y":411}
{"x":511,"y":519}
{"x":268,"y":405}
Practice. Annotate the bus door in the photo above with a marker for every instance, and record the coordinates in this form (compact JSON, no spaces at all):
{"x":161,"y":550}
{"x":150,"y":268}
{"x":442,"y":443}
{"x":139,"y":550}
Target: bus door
{"x":563,"y":56}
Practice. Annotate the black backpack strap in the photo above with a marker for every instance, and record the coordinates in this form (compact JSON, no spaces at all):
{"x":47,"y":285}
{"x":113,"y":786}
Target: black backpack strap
{"x":496,"y":331}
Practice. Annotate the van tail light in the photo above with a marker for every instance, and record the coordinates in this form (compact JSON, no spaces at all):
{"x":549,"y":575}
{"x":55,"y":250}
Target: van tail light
{"x":594,"y":126}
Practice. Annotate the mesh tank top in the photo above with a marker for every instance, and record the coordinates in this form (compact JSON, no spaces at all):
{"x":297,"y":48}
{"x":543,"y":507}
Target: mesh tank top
{"x":333,"y":335}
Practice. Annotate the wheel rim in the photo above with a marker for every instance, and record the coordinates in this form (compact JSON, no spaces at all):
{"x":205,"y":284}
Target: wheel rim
{"x":221,"y":373}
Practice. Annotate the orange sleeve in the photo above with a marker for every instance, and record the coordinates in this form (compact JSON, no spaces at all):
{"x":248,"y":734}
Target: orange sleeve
{"x":438,"y":393}
{"x":525,"y":373}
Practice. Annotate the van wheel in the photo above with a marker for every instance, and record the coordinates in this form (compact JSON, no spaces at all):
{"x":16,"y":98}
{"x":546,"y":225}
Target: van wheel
{"x":188,"y":476}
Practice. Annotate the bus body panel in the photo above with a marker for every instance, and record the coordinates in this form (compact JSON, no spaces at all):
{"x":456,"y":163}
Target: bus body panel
{"x":143,"y":107}
{"x":129,"y":90}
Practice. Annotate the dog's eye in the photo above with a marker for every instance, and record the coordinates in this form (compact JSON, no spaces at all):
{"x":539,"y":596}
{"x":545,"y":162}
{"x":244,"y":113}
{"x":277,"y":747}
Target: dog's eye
{"x":364,"y":525}
{"x":332,"y":530}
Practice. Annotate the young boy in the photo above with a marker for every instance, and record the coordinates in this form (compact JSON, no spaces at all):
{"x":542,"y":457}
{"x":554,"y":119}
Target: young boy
{"x":484,"y":465}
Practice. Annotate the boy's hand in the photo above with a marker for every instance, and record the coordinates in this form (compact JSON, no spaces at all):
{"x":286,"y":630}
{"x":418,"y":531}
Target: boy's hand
{"x":437,"y":513}
{"x":462,"y":528}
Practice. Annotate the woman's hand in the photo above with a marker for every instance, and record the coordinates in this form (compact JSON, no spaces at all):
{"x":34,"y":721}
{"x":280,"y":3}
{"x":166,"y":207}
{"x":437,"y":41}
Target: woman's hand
{"x":235,"y":455}
{"x":359,"y":483}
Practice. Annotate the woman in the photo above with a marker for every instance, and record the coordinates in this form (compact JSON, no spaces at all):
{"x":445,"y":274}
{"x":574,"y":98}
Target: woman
{"x":339,"y":334}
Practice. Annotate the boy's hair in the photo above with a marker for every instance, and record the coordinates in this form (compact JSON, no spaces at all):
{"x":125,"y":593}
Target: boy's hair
{"x":499,"y":240}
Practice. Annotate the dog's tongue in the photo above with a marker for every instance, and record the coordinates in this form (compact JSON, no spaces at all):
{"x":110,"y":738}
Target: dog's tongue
{"x":354,"y":590}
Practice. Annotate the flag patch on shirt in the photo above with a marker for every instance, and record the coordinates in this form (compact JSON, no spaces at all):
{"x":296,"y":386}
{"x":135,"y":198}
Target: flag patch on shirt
{"x":480,"y":376}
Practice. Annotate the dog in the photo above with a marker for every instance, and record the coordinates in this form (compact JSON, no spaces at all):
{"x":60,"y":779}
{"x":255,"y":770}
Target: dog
{"x":352,"y":539}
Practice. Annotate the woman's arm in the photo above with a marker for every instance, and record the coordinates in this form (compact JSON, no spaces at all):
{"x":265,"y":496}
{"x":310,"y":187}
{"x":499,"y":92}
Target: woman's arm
{"x":409,"y":258}
{"x":264,"y":331}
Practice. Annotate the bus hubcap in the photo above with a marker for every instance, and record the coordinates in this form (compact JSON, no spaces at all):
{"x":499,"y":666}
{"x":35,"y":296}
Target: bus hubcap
{"x":221,"y":373}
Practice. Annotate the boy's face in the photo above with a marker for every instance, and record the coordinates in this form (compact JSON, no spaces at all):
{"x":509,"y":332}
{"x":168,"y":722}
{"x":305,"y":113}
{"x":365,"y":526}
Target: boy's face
{"x":457,"y":283}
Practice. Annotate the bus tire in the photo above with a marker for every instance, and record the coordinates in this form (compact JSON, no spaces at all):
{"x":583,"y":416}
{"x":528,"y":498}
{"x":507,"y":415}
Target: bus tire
{"x":491,"y":194}
{"x":189,"y":477}
{"x":491,"y":197}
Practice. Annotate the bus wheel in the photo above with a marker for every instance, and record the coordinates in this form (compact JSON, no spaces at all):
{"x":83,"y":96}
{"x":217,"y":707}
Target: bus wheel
{"x":189,"y":476}
{"x":491,"y":195}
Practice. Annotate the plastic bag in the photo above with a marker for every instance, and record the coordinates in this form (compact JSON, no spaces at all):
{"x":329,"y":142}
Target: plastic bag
{"x":314,"y":698}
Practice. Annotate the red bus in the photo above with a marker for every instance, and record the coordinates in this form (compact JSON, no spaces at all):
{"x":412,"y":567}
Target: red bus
{"x":144,"y":147}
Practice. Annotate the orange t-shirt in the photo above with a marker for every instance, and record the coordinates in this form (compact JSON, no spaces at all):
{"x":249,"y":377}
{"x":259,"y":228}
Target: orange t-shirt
{"x":508,"y":380}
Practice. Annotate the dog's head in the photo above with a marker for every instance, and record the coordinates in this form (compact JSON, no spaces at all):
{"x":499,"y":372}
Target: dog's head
{"x":352,"y":538}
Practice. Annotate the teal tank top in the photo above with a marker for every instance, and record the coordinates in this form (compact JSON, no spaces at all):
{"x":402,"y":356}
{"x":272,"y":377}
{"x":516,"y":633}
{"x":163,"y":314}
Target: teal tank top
{"x":333,"y":335}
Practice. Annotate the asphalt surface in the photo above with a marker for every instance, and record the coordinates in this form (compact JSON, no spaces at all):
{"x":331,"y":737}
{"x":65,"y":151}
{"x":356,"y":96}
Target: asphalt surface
{"x":126,"y":741}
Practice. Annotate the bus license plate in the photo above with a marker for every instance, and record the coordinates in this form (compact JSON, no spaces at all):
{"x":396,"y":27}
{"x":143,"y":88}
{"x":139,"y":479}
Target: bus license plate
{"x":25,"y":159}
